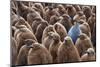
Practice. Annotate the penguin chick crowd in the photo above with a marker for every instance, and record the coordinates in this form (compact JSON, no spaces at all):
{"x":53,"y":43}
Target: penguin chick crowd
{"x":52,"y":33}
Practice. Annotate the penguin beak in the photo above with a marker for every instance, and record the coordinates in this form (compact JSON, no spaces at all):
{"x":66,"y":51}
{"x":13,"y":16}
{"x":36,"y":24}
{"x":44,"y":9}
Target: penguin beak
{"x":81,"y":37}
{"x":30,"y":46}
{"x":78,"y":36}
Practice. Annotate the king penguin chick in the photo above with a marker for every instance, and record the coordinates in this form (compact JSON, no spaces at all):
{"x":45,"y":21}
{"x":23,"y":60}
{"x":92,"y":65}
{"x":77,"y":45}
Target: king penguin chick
{"x":53,"y":49}
{"x":85,"y":28}
{"x":49,"y":28}
{"x":83,"y":43}
{"x":40,"y":29}
{"x":67,"y":52}
{"x":89,"y":55}
{"x":47,"y":41}
{"x":38,"y":54}
{"x":60,"y":29}
{"x":22,"y":56}
{"x":23,"y":33}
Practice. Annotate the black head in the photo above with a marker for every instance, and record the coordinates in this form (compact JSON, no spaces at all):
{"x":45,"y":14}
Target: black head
{"x":83,"y":36}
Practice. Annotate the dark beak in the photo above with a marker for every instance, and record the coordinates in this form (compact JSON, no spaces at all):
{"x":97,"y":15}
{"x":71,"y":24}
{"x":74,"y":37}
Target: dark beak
{"x":30,"y":46}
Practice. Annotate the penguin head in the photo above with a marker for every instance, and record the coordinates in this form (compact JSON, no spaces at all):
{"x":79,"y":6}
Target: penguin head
{"x":37,"y":17}
{"x":55,"y":17}
{"x":29,"y":42}
{"x":14,"y":28}
{"x":70,"y":7}
{"x":38,"y":5}
{"x":86,"y":24}
{"x":86,"y":8}
{"x":90,"y":51}
{"x":57,"y":26}
{"x":66,"y":16}
{"x":50,"y":28}
{"x":60,"y":18}
{"x":83,"y":36}
{"x":77,"y":7}
{"x":20,"y":26}
{"x":50,"y":34}
{"x":81,"y":21}
{"x":80,"y":15}
{"x":33,"y":16}
{"x":54,"y":36}
{"x":60,"y":7}
{"x":23,"y":28}
{"x":36,"y":46}
{"x":21,"y":21}
{"x":68,"y":40}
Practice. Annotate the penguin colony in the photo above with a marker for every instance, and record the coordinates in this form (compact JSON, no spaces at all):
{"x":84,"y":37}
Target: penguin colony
{"x":45,"y":33}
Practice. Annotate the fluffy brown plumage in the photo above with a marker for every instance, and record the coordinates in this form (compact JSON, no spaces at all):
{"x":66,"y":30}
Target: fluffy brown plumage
{"x":13,"y":51}
{"x":39,"y":55}
{"x":22,"y":34}
{"x":89,"y":55}
{"x":87,"y":11}
{"x":85,"y":28}
{"x":23,"y":53}
{"x":67,"y":52}
{"x":83,"y":43}
{"x":48,"y":29}
{"x":66,"y":21}
{"x":53,"y":49}
{"x":47,"y":41}
{"x":40,"y":29}
{"x":60,"y":29}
